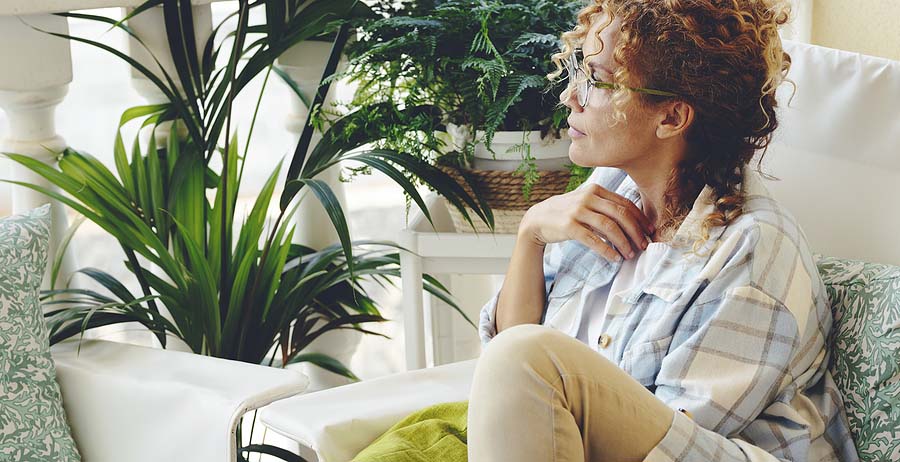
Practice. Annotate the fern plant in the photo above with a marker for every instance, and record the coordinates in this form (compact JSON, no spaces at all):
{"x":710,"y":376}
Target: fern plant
{"x":482,"y":64}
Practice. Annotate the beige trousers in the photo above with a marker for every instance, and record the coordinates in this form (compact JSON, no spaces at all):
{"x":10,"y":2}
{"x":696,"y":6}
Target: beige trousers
{"x":540,"y":395}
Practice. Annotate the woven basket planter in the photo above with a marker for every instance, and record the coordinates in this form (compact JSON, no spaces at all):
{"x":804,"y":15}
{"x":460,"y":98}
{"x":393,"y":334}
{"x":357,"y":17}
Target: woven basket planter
{"x":502,"y":190}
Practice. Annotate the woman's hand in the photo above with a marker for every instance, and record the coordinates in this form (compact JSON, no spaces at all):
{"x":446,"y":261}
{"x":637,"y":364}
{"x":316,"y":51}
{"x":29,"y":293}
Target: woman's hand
{"x":585,"y":215}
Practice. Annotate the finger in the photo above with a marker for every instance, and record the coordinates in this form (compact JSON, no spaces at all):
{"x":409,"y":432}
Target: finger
{"x":611,"y":230}
{"x":625,"y":219}
{"x":621,"y":200}
{"x":593,"y":242}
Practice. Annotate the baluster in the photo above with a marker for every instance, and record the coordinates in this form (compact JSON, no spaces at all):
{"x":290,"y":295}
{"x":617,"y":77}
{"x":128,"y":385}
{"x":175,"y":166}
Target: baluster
{"x":150,"y":26}
{"x":305,"y":63}
{"x":37,"y":68}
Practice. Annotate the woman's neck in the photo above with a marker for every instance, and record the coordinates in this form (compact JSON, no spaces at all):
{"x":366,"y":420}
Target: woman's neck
{"x":655,"y":203}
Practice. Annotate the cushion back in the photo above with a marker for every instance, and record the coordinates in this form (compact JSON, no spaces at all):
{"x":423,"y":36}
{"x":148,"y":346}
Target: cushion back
{"x":837,"y":150}
{"x":32,"y":421}
{"x":865,"y":362}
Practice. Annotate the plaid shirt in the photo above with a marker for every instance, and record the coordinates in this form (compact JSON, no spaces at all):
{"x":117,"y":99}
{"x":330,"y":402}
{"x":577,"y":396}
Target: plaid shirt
{"x":734,"y":334}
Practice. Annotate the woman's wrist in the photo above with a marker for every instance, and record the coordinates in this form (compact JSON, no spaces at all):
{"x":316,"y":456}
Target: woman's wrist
{"x":528,"y":235}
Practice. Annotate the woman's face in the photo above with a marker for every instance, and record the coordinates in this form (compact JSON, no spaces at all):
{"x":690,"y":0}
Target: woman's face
{"x":594,"y":142}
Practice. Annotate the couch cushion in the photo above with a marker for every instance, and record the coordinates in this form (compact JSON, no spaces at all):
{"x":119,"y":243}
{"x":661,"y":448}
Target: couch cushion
{"x":436,"y":433}
{"x":32,"y":423}
{"x":865,"y":339}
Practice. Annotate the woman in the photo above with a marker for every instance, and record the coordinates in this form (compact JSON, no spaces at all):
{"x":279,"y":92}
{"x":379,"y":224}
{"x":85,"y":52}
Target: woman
{"x":682,"y":315}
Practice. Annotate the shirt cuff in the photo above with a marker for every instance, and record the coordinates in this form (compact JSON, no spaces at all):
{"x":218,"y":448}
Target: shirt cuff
{"x":675,"y":444}
{"x":687,"y":441}
{"x":487,"y":325}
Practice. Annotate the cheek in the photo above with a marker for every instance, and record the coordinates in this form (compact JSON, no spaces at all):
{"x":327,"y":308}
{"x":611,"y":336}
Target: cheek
{"x":597,"y":116}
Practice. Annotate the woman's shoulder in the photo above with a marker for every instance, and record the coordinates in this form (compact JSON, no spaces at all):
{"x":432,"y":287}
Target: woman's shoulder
{"x":765,"y":221}
{"x":767,"y":239}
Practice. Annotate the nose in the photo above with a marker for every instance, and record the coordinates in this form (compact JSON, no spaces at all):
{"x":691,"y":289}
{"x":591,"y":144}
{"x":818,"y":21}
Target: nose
{"x":570,"y":100}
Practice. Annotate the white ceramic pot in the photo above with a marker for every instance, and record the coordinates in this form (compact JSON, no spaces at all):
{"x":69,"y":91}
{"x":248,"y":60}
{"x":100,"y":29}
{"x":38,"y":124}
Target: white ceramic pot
{"x":507,"y":155}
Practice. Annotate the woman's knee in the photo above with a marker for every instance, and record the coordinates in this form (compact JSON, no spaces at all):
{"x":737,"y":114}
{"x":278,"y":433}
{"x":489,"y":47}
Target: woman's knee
{"x":521,"y":343}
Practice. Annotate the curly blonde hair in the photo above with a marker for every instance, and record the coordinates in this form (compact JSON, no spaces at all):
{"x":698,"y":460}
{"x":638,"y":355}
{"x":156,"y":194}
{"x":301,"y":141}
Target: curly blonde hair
{"x":724,"y":58}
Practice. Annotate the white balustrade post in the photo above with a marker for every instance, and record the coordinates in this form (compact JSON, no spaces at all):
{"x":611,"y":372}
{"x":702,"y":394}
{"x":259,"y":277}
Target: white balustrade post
{"x":34,"y":78}
{"x":150,"y":26}
{"x":305,"y":63}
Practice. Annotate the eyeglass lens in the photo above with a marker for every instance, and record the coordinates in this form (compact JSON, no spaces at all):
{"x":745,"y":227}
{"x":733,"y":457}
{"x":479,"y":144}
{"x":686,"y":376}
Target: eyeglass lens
{"x":578,"y":79}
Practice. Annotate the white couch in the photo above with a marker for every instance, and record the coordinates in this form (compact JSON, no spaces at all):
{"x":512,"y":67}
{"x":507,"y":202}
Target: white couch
{"x":838,"y":152}
{"x":138,"y":404}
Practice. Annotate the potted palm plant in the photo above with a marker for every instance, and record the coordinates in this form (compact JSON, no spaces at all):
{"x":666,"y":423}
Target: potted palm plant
{"x":224,"y":287}
{"x":482,"y":65}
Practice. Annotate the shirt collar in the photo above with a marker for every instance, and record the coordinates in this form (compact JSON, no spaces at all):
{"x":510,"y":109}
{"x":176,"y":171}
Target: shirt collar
{"x":704,"y":205}
{"x":688,"y":232}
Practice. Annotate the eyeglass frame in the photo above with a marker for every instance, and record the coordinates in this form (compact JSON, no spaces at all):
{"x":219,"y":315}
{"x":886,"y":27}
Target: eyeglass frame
{"x":572,"y":68}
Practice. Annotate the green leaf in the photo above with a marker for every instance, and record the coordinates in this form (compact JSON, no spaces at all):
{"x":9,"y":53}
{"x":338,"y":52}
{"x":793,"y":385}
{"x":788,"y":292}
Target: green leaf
{"x":109,"y":282}
{"x":62,"y":248}
{"x":436,"y":289}
{"x":332,"y":207}
{"x":141,"y":111}
{"x":124,"y":168}
{"x":202,"y":288}
{"x":275,"y":18}
{"x":141,"y":8}
{"x":157,"y":191}
{"x":237,"y":299}
{"x":292,"y":84}
{"x":398,"y":177}
{"x":325,"y":362}
{"x":440,"y":181}
{"x":187,"y":197}
{"x":141,"y":181}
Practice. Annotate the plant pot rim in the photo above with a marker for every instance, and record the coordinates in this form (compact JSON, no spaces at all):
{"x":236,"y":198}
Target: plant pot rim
{"x":541,"y":148}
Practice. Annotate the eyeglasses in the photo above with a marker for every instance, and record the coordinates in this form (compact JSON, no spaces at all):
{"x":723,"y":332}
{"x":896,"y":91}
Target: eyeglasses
{"x":584,"y":82}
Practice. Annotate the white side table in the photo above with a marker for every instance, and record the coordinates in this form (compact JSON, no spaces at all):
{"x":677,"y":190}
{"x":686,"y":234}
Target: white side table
{"x":441,"y":250}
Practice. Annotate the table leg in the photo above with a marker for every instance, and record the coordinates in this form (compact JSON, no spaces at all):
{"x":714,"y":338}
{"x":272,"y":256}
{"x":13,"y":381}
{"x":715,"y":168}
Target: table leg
{"x":413,"y":313}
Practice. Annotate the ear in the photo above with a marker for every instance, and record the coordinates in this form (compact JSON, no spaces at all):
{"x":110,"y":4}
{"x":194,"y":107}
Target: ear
{"x":674,"y":120}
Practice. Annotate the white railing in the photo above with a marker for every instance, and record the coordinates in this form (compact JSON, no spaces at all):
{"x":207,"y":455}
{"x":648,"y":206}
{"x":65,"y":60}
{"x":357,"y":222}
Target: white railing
{"x":37,"y":70}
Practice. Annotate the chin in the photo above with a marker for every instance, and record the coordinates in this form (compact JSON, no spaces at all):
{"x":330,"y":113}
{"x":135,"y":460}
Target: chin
{"x":578,"y":157}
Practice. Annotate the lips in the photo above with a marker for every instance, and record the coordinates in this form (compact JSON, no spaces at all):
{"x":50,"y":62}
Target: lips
{"x":575,"y":133}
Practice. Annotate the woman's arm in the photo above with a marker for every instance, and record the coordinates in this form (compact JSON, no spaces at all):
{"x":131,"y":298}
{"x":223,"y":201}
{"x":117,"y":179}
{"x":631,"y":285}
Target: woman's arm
{"x":521,"y":299}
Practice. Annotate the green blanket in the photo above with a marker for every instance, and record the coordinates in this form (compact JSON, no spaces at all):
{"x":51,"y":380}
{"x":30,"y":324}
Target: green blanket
{"x":434,"y":434}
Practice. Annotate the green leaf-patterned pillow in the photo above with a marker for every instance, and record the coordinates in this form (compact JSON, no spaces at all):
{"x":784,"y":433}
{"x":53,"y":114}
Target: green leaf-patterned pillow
{"x":32,"y":422}
{"x":865,"y":342}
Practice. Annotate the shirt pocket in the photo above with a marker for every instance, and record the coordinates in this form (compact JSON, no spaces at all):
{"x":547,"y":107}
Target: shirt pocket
{"x":562,"y":302}
{"x":643,"y":360}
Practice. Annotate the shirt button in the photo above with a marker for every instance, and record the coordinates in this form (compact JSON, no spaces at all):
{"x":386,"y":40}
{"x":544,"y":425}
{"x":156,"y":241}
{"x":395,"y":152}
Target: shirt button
{"x":604,"y":340}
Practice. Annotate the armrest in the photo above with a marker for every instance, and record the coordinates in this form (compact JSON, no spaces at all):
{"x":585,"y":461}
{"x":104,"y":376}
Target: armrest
{"x":339,"y":422}
{"x":126,"y":402}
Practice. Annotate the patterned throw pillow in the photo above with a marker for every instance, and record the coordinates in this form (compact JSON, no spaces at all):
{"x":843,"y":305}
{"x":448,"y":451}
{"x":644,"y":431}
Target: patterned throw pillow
{"x":865,"y":342}
{"x":32,"y":423}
